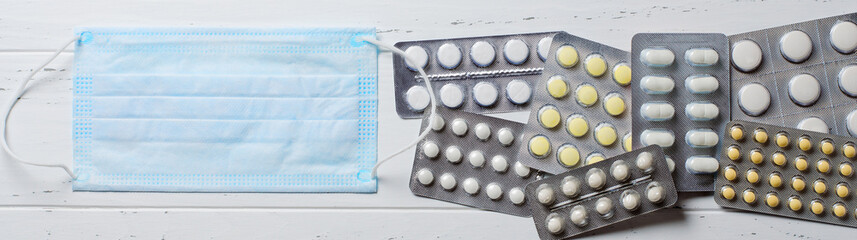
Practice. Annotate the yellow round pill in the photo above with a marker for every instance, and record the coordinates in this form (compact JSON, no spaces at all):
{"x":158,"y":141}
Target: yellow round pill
{"x":568,"y":155}
{"x":605,"y":134}
{"x":782,"y":140}
{"x":752,"y":176}
{"x":595,"y":65}
{"x":539,"y":146}
{"x":842,"y":190}
{"x":622,"y":74}
{"x":772,"y":200}
{"x":826,"y":147}
{"x":557,"y":87}
{"x":804,"y":143}
{"x":733,"y":152}
{"x":566,"y":56}
{"x":779,"y":158}
{"x":848,"y":150}
{"x":614,"y":104}
{"x":576,"y":125}
{"x":760,"y":135}
{"x":749,"y":196}
{"x":730,"y":173}
{"x":823,"y":166}
{"x":798,"y":184}
{"x":800,"y":163}
{"x":819,"y":186}
{"x":775,"y":180}
{"x":756,"y":156}
{"x":795,"y":204}
{"x":586,"y":95}
{"x":846,"y":169}
{"x":549,"y":116}
{"x":594,"y":158}
{"x":839,"y":210}
{"x":626,"y":142}
{"x":737,"y":132}
{"x":727,"y":192}
{"x":817,"y":207}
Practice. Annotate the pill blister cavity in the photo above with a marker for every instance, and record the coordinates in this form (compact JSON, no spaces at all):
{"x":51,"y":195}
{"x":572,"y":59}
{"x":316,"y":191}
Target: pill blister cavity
{"x":847,"y":80}
{"x":701,"y":138}
{"x":576,"y":125}
{"x":756,"y":156}
{"x":630,"y":200}
{"x":605,"y":134}
{"x":451,"y":95}
{"x":749,"y":196}
{"x":772,"y":200}
{"x":539,"y":146}
{"x":816,"y":206}
{"x":752,"y":175}
{"x":543,"y":48}
{"x":733,"y":152}
{"x":568,"y":155}
{"x":804,"y":89}
{"x":430,"y":149}
{"x":701,"y":84}
{"x":737,"y":133}
{"x":516,"y":196}
{"x":657,"y":84}
{"x":417,"y":98}
{"x":851,"y":123}
{"x":775,"y":180}
{"x":500,"y":163}
{"x":570,"y":186}
{"x":557,"y":87}
{"x":655,"y":193}
{"x":555,"y":224}
{"x":594,"y":158}
{"x":566,"y":56}
{"x":661,"y":137}
{"x":796,"y":46}
{"x":516,"y":51}
{"x":518,"y":92}
{"x":604,"y":207}
{"x":843,"y":37}
{"x":730,"y":173}
{"x":449,"y":56}
{"x":476,"y":158}
{"x":823,"y":165}
{"x":701,"y":164}
{"x":645,"y":161}
{"x":579,"y":216}
{"x":483,"y":131}
{"x":622,"y":74}
{"x":419,"y":55}
{"x":494,"y":191}
{"x":505,"y":136}
{"x":447,"y":181}
{"x":595,"y":65}
{"x":782,"y":139}
{"x":596,"y":178}
{"x":657,"y":57}
{"x":727,"y":192}
{"x":657,"y":111}
{"x":459,"y":127}
{"x":819,"y":186}
{"x":545,"y":194}
{"x":485,"y":94}
{"x":801,"y":163}
{"x":453,"y":154}
{"x":798,"y":184}
{"x":586,"y":95}
{"x":521,"y":170}
{"x":754,"y":99}
{"x":701,"y":111}
{"x":701,"y":57}
{"x":549,"y":116}
{"x":760,"y":135}
{"x":437,"y":123}
{"x":425,"y":176}
{"x":746,"y":55}
{"x":471,"y":186}
{"x":620,"y":171}
{"x":614,"y":104}
{"x":482,"y":54}
{"x":795,"y":203}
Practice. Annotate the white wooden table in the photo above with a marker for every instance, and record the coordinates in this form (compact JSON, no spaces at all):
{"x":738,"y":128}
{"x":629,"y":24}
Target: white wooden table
{"x":37,"y":203}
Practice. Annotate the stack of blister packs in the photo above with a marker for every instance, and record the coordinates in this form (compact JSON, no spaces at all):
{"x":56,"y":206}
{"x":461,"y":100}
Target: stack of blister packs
{"x":584,"y":161}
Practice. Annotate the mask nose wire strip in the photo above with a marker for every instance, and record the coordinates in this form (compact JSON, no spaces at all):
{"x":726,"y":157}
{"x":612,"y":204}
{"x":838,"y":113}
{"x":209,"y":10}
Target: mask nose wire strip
{"x":432,"y":108}
{"x":15,"y":97}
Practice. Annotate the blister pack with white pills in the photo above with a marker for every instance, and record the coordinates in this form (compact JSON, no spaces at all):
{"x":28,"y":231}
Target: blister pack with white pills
{"x":601,"y":194}
{"x":680,"y":88}
{"x":578,"y":115}
{"x":801,"y":75}
{"x":469,"y":159}
{"x":489,"y":74}
{"x":788,"y":172}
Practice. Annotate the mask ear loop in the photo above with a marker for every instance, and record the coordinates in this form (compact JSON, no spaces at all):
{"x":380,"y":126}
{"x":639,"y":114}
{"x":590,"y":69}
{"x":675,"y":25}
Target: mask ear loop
{"x":14,"y":100}
{"x":432,"y":114}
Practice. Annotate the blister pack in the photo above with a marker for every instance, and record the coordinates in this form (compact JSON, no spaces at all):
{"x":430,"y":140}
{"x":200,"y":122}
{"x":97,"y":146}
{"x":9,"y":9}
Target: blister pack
{"x":469,"y":159}
{"x":489,"y":74}
{"x":578,"y":114}
{"x":682,"y":103}
{"x":601,"y":194}
{"x":788,"y":172}
{"x":802,"y":75}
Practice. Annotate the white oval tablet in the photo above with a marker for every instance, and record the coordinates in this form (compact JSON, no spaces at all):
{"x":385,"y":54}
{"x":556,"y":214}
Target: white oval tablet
{"x":505,"y":136}
{"x":471,"y":186}
{"x":500,"y":163}
{"x":851,"y":123}
{"x":701,"y":138}
{"x":746,"y":55}
{"x":843,"y":37}
{"x":555,"y":224}
{"x":630,"y":199}
{"x":804,"y":89}
{"x":848,"y":80}
{"x":660,"y":137}
{"x":657,"y":111}
{"x":521,"y":170}
{"x":494,"y":191}
{"x":796,"y":46}
{"x":476,"y":158}
{"x":701,"y":57}
{"x":754,"y":99}
{"x":570,"y":186}
{"x":449,"y":56}
{"x":482,"y":54}
{"x":655,"y":193}
{"x":701,"y":164}
{"x":425,"y":177}
{"x":417,"y":54}
{"x":451,"y":95}
{"x":657,"y":84}
{"x":430,"y":149}
{"x":814,"y":124}
{"x":645,"y":161}
{"x":545,"y":194}
{"x":453,"y":154}
{"x":657,"y":57}
{"x":604,"y":205}
{"x":701,"y":84}
{"x":670,"y":163}
{"x":516,"y":51}
{"x":544,"y":47}
{"x":459,"y":127}
{"x":485,"y":94}
{"x":437,"y":123}
{"x":701,"y":111}
{"x":483,"y":131}
{"x":516,"y":196}
{"x":578,"y":215}
{"x":418,"y":98}
{"x":596,"y":178}
{"x":518,"y":91}
{"x":447,"y":181}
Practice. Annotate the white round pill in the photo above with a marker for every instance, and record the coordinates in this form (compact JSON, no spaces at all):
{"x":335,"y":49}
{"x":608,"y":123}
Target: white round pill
{"x":796,"y":46}
{"x":555,"y":224}
{"x":851,"y":123}
{"x":417,"y":54}
{"x":754,"y":99}
{"x":630,"y":199}
{"x":578,"y":215}
{"x":485,"y":94}
{"x":453,"y":154}
{"x":518,"y":91}
{"x":459,"y":127}
{"x":471,"y":186}
{"x":516,"y":196}
{"x":645,"y":161}
{"x":516,"y":51}
{"x":500,"y":163}
{"x":670,"y":163}
{"x":505,"y":136}
{"x":521,"y":170}
{"x":451,"y":95}
{"x":814,"y":124}
{"x":545,"y":194}
{"x":430,"y":149}
{"x":603,"y":205}
{"x":620,"y":171}
{"x":746,"y":55}
{"x":570,"y":186}
{"x":483,"y":131}
{"x":544,"y":47}
{"x":848,"y":80}
{"x":447,"y":181}
{"x":843,"y":37}
{"x":449,"y":56}
{"x":494,"y":191}
{"x":804,"y":89}
{"x":482,"y":53}
{"x":418,"y":98}
{"x":437,"y":123}
{"x":655,"y":193}
{"x":476,"y":158}
{"x":596,"y":178}
{"x":425,"y":177}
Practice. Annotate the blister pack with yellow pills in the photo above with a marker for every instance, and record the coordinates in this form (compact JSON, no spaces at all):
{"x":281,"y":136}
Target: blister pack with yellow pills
{"x":488,"y":74}
{"x":680,"y":88}
{"x":469,"y":159}
{"x":601,"y":194}
{"x":801,"y":75}
{"x":788,"y":172}
{"x":578,"y":115}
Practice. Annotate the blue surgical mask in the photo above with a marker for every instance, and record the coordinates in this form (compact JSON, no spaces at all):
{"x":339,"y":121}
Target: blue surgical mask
{"x":225,"y":110}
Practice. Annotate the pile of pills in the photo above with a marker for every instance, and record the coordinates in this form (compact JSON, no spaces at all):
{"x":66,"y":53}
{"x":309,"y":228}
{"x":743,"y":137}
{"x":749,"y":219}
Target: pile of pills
{"x":469,"y":159}
{"x":578,"y":115}
{"x":479,"y":74}
{"x":601,"y":194}
{"x":681,"y":103}
{"x":788,"y":172}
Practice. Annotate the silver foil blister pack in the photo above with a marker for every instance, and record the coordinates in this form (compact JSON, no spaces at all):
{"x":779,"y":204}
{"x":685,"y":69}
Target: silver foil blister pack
{"x":788,"y":172}
{"x":578,"y":114}
{"x":601,"y":194}
{"x":488,"y":74}
{"x":469,"y":159}
{"x":680,"y":92}
{"x":802,"y":75}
